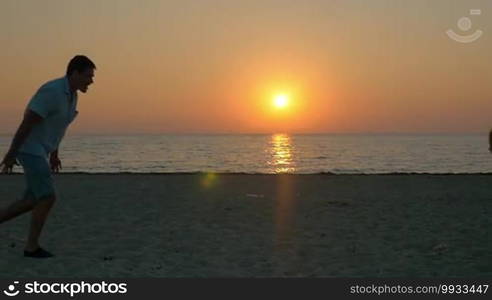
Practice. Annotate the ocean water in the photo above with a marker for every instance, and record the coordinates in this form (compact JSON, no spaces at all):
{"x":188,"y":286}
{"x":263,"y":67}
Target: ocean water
{"x":278,"y":153}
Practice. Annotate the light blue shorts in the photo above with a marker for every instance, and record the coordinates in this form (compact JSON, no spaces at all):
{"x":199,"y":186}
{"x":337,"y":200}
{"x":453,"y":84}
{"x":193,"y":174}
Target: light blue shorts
{"x":37,"y":173}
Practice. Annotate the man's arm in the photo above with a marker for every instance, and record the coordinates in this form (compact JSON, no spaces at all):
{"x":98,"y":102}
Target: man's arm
{"x":30,"y":119}
{"x":55,"y":162}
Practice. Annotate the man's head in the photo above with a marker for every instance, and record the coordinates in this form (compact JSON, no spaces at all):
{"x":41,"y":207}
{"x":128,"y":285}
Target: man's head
{"x":80,"y":71}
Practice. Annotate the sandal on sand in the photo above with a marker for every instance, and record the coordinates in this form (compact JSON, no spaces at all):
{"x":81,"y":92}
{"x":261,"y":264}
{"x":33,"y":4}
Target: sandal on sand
{"x":38,"y":253}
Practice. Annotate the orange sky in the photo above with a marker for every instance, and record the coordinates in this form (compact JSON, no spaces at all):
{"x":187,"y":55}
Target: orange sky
{"x":214,"y":66}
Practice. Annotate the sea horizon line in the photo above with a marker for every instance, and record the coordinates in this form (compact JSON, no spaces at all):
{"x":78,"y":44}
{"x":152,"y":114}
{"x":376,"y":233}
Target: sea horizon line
{"x":116,"y":134}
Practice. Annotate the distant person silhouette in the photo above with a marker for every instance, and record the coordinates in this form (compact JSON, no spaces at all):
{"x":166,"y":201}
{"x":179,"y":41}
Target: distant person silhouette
{"x":35,"y":147}
{"x":490,"y":141}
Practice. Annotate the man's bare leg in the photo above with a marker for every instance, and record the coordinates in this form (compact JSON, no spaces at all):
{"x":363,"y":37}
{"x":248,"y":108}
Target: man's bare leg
{"x":39,"y":215}
{"x":16,"y":209}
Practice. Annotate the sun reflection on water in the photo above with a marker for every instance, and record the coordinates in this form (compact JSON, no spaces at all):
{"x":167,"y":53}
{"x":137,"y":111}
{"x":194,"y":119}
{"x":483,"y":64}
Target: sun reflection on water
{"x":281,"y":157}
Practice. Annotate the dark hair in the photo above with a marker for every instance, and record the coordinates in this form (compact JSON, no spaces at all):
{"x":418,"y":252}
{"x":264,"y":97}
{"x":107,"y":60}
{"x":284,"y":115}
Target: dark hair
{"x":79,"y":63}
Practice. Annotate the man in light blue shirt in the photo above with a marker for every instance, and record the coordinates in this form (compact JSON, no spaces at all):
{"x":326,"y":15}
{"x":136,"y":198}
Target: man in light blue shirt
{"x":47,"y":116}
{"x":50,"y":100}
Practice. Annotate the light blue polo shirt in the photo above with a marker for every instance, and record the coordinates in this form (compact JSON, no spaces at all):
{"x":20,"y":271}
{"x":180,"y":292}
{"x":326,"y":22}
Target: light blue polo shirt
{"x":52,"y":102}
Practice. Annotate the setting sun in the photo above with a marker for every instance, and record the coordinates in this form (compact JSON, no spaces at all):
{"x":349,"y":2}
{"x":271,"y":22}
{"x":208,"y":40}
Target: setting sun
{"x":281,"y":101}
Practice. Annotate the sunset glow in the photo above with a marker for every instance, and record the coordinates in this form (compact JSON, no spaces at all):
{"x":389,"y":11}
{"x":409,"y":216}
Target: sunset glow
{"x":306,"y":67}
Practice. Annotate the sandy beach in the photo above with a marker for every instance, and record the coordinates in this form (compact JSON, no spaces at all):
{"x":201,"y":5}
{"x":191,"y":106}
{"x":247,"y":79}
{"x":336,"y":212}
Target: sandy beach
{"x":234,"y":225}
